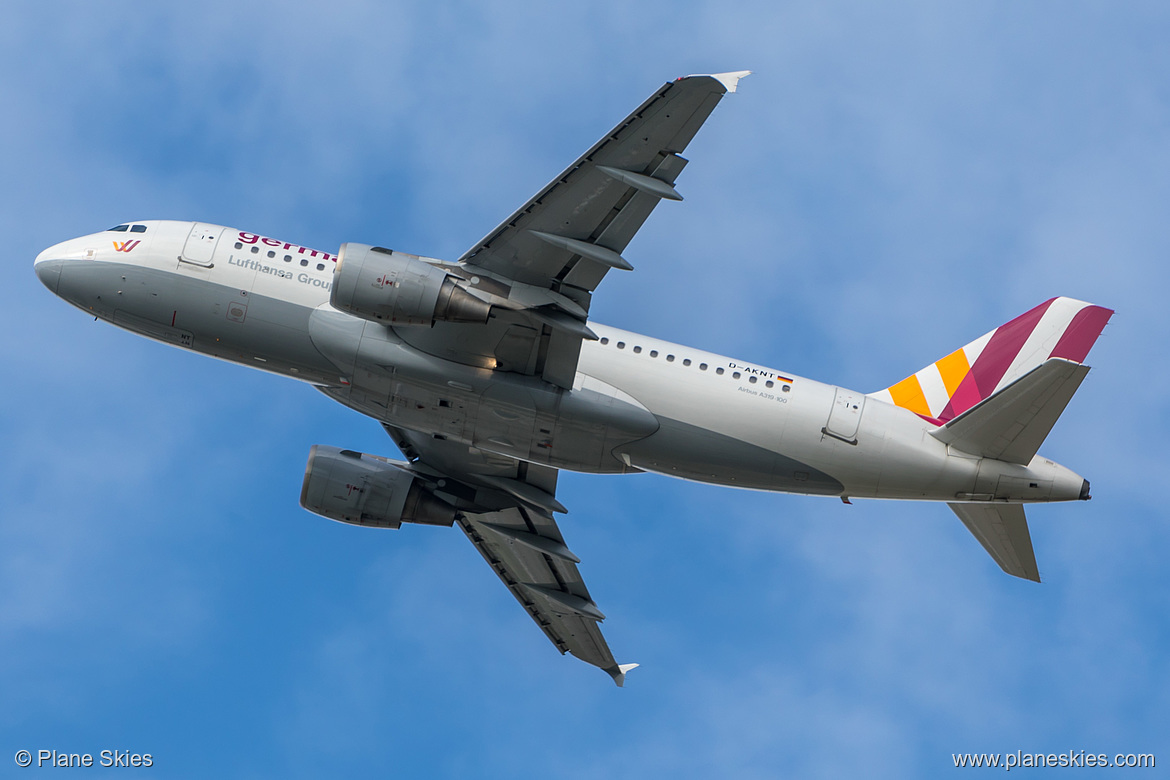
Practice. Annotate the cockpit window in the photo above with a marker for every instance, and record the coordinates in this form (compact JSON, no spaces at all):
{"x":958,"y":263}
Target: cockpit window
{"x":119,"y":229}
{"x":138,"y":228}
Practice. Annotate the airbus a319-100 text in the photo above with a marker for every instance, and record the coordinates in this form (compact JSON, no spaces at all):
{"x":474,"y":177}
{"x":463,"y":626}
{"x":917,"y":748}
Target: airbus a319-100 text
{"x":490,"y":378}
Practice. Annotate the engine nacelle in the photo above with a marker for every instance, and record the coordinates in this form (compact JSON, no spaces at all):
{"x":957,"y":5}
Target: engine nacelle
{"x":352,"y":487}
{"x":400,"y":289}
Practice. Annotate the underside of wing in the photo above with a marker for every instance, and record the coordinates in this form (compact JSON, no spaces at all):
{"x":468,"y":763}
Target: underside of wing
{"x":574,"y":230}
{"x":506,"y":512}
{"x":1012,"y":424}
{"x":1002,"y":529}
{"x":539,"y":268}
{"x":527,"y":552}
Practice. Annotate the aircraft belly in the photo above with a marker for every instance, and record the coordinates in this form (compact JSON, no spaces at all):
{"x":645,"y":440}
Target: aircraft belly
{"x":213,"y":319}
{"x":716,"y":428}
{"x":681,"y":449}
{"x":505,"y":413}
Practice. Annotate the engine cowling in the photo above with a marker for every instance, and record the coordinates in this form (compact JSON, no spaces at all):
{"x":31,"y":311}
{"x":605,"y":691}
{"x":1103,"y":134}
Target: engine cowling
{"x":400,"y":289}
{"x":359,"y":489}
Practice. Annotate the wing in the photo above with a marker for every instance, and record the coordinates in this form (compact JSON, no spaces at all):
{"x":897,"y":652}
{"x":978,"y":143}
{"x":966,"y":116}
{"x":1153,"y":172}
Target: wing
{"x":540,"y":266}
{"x":519,"y":539}
{"x":573,"y":231}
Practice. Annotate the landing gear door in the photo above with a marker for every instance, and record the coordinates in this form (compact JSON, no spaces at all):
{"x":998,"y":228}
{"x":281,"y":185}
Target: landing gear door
{"x":845,"y":417}
{"x":200,"y":246}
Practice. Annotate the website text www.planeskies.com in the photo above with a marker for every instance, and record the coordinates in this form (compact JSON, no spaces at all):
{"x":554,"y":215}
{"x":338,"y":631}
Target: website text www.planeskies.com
{"x":1070,"y":758}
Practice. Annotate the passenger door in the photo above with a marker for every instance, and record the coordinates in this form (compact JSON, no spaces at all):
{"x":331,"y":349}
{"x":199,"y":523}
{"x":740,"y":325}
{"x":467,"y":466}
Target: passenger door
{"x":200,"y":247}
{"x":845,"y":416}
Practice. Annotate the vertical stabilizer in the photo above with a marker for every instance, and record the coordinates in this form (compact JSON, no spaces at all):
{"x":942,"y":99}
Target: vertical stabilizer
{"x":1059,"y":328}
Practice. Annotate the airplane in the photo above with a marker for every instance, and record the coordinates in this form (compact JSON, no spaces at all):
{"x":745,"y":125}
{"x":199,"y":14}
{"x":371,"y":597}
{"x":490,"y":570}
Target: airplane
{"x":489,"y":377}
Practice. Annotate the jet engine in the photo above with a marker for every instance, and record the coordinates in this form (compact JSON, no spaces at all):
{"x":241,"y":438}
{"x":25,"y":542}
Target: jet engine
{"x":400,"y":289}
{"x":359,"y":489}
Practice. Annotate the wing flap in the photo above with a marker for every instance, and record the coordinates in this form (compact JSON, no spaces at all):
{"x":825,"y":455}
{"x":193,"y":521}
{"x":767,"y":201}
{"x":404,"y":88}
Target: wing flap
{"x":1002,"y":529}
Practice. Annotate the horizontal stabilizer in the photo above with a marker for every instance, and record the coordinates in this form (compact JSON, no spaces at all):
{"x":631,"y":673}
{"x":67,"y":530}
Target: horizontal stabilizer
{"x":1002,"y":529}
{"x":1012,"y":424}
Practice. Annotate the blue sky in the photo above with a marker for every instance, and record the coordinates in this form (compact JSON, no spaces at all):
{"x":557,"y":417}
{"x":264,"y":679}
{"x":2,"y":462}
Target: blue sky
{"x":894,"y":181}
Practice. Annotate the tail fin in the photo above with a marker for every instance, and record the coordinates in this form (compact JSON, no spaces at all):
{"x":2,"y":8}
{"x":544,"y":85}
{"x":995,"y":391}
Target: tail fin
{"x":1058,"y":328}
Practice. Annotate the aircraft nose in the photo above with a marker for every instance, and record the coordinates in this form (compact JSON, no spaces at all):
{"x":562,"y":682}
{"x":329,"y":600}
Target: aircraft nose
{"x":48,"y":268}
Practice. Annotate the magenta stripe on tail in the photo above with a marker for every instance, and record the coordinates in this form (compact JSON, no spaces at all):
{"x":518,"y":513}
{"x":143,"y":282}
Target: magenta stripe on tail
{"x":994,"y":361}
{"x":1082,"y":333}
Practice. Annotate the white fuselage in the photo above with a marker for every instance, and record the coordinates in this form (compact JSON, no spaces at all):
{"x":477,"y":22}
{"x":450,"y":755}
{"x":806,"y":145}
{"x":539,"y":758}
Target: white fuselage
{"x":638,"y":403}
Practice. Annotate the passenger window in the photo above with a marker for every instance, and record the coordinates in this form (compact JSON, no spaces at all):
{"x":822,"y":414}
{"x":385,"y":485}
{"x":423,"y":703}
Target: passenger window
{"x":271,"y":253}
{"x":735,"y":375}
{"x":255,"y":250}
{"x":320,"y":266}
{"x":239,"y":245}
{"x":670,"y":358}
{"x":702,"y":366}
{"x":653,"y":353}
{"x":769,"y":383}
{"x":604,"y":340}
{"x":304,"y":261}
{"x":719,"y":371}
{"x":288,"y":258}
{"x":138,"y":229}
{"x":637,"y":349}
{"x":752,"y":379}
{"x":621,"y":345}
{"x":786,"y":388}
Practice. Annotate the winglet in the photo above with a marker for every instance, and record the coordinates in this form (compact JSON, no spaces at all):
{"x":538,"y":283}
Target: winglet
{"x":729,"y":80}
{"x":618,"y":673}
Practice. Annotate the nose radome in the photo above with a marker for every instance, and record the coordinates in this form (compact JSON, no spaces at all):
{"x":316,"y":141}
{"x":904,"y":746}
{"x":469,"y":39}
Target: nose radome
{"x":48,"y":269}
{"x":49,"y":263}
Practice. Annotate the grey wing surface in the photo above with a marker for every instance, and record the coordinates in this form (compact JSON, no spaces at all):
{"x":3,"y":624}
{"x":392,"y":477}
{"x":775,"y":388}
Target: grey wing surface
{"x":513,"y":528}
{"x":1002,"y":529}
{"x":574,"y":230}
{"x":540,"y":266}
